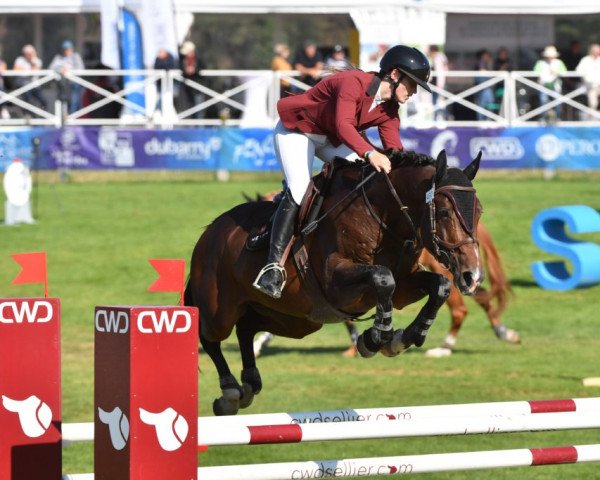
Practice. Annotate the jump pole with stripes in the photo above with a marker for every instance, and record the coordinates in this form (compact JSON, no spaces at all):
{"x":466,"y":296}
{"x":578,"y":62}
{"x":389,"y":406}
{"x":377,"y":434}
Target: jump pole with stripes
{"x":77,"y":432}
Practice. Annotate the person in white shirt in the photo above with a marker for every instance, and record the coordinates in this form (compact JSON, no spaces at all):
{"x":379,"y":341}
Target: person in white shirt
{"x":439,"y":65}
{"x":589,"y":69}
{"x":29,"y":62}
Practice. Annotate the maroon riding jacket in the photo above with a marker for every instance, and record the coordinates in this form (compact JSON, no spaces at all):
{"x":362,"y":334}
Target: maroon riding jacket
{"x":338,"y":107}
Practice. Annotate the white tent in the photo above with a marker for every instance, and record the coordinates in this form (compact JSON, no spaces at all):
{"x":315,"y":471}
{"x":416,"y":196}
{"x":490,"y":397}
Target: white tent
{"x":537,"y":7}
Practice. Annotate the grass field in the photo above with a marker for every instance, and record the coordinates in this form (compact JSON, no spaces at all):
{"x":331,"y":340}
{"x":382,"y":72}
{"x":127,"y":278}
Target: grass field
{"x":99,"y":235}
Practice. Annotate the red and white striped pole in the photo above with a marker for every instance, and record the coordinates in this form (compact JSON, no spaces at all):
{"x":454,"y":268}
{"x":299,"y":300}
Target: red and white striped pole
{"x":409,"y":464}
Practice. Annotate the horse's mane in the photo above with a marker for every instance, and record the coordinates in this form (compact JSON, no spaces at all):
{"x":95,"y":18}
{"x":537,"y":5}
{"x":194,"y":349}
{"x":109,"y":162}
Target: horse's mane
{"x":402,"y":158}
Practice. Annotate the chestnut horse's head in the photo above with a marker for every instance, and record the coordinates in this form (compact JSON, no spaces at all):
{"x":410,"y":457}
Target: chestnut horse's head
{"x":450,"y":223}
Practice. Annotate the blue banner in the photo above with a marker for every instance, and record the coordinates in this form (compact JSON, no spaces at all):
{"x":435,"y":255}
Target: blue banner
{"x":251,"y":149}
{"x":132,"y":58}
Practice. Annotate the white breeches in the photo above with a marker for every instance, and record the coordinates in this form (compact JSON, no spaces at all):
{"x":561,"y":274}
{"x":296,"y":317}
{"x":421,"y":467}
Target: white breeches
{"x":296,"y":152}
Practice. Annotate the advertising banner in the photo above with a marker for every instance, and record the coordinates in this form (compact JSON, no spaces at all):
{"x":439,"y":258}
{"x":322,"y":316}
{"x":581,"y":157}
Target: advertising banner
{"x":251,"y":149}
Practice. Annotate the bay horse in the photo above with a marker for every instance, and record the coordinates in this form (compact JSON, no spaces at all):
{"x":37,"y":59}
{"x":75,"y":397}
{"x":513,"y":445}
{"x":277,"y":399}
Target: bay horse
{"x":363,"y":254}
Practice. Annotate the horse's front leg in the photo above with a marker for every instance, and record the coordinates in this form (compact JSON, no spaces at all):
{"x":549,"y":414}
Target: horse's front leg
{"x":437,"y":287}
{"x":351,"y":286}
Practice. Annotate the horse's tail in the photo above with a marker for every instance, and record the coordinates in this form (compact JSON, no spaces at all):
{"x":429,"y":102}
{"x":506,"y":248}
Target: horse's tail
{"x":499,"y":285}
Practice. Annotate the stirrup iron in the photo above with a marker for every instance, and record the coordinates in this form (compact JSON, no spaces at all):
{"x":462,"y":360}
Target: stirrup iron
{"x":265,"y":269}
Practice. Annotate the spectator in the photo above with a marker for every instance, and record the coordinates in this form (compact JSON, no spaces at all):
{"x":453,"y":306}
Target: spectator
{"x":573,"y":55}
{"x":589,"y":69}
{"x":64,"y":62}
{"x":29,"y":62}
{"x":550,"y":68}
{"x":309,"y":63}
{"x":439,"y":65}
{"x":485,"y":97}
{"x":280,"y":63}
{"x":571,"y":58}
{"x":191,"y":65}
{"x":338,"y":60}
{"x":502,"y":63}
{"x":163,"y":61}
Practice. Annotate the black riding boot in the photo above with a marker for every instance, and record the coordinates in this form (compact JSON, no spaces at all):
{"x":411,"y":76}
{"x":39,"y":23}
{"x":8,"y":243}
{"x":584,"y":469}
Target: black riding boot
{"x":272,"y":277}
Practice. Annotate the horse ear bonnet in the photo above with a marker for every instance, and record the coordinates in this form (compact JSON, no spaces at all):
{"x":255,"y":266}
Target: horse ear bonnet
{"x":464,"y":202}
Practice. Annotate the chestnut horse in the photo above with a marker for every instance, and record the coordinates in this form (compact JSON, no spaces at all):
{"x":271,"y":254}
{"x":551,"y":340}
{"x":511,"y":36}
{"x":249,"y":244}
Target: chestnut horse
{"x":364,"y":254}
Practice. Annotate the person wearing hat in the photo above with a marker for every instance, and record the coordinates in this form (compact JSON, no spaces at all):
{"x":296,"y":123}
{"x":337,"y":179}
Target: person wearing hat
{"x":338,"y":60}
{"x":550,"y":68}
{"x":63,"y":62}
{"x":191,"y":65}
{"x":328,"y":121}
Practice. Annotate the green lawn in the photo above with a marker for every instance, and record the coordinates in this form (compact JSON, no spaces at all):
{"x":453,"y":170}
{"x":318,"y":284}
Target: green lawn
{"x":99,"y":235}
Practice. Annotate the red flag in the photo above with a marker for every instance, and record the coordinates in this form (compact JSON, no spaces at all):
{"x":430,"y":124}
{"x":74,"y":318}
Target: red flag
{"x":33,"y":269}
{"x":171,"y":276}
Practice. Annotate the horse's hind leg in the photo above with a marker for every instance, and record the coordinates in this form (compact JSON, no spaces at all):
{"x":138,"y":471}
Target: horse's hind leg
{"x":483,"y":298}
{"x":251,"y":381}
{"x":229,"y":402}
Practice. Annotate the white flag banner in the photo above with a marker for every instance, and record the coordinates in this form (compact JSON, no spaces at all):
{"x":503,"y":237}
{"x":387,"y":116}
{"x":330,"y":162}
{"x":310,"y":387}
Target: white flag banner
{"x":109,"y":17}
{"x":158,"y":29}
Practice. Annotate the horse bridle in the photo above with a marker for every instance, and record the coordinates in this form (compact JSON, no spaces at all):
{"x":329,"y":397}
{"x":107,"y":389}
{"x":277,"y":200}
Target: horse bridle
{"x":442,"y":250}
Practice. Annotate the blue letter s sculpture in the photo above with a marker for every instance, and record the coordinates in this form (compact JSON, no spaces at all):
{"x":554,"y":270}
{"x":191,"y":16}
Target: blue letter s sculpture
{"x":548,"y":232}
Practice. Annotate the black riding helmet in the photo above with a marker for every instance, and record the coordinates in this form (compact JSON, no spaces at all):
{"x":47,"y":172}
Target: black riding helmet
{"x":410,"y":61}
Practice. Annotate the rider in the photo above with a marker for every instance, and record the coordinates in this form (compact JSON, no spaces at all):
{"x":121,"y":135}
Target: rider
{"x":326,"y":121}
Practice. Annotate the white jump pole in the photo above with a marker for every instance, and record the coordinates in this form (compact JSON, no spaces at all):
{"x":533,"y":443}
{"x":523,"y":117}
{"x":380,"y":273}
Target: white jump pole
{"x":444,"y":462}
{"x":314,"y":432}
{"x":76,"y":432}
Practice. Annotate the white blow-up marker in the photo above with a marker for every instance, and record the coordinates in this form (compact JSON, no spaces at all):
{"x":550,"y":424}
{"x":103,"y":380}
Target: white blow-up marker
{"x":17,"y":187}
{"x":35,"y":416}
{"x":171,"y":427}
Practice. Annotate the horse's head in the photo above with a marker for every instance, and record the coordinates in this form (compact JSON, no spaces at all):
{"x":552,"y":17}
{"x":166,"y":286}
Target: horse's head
{"x":450,"y":223}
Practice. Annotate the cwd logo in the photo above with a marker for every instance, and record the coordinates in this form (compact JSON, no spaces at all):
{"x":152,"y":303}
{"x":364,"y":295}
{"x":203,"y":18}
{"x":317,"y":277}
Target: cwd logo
{"x":35,"y":312}
{"x":177,"y":321}
{"x":112,"y":321}
{"x":171,"y":428}
{"x":35,"y":415}
{"x":118,"y":426}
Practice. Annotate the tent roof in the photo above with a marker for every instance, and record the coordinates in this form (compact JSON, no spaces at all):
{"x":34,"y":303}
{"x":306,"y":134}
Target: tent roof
{"x":319,"y":6}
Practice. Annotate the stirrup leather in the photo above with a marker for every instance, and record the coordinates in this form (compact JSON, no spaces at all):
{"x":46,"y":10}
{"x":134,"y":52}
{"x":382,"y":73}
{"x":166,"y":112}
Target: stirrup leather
{"x":265,"y":269}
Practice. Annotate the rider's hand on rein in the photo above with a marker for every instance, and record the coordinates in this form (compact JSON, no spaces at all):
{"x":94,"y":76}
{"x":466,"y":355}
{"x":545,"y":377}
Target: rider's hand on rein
{"x":379,"y":161}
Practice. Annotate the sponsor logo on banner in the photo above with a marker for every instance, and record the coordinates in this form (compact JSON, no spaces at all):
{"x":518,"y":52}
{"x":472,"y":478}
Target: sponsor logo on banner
{"x":446,"y":140}
{"x":171,"y":428}
{"x":66,"y":154}
{"x":35,"y":415}
{"x":112,"y":321}
{"x":118,"y":426}
{"x":178,"y":321}
{"x":550,"y":147}
{"x":27,"y":312}
{"x":116,"y":148}
{"x":261,"y":152}
{"x":183,"y":150}
{"x":497,"y":148}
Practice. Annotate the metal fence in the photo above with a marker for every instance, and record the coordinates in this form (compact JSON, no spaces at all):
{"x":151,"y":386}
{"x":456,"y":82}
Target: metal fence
{"x":249,"y":97}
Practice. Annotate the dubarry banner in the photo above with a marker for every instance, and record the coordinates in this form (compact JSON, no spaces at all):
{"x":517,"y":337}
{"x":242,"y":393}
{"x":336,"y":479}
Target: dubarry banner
{"x":251,"y":149}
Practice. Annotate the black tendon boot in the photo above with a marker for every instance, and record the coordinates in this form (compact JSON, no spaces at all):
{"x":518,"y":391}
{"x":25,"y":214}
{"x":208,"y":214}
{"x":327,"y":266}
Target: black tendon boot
{"x":271,"y":279}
